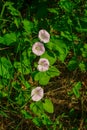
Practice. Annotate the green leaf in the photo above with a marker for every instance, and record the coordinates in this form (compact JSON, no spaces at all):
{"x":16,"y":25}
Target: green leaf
{"x":12,"y":10}
{"x":76,"y":89}
{"x":23,"y":67}
{"x":17,"y":22}
{"x":82,"y":67}
{"x":81,"y":29}
{"x":84,"y":19}
{"x":8,"y":39}
{"x":5,"y":68}
{"x":53,"y":10}
{"x":20,"y":100}
{"x":3,"y":83}
{"x":48,"y":106}
{"x":50,"y":56}
{"x":76,"y":92}
{"x":3,"y":94}
{"x":42,"y":77}
{"x":78,"y":85}
{"x":67,"y":5}
{"x":37,"y":121}
{"x":26,"y":114}
{"x":73,"y":64}
{"x":50,"y":46}
{"x":26,"y":84}
{"x":61,"y":49}
{"x":53,"y":71}
{"x":66,"y":35}
{"x":84,"y":50}
{"x":46,"y":120}
{"x":37,"y":107}
{"x":16,"y":85}
{"x":27,"y":26}
{"x":1,"y":40}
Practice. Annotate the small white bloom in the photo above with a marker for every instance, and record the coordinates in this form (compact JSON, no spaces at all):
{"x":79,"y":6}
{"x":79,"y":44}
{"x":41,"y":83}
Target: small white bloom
{"x":44,"y":36}
{"x":38,"y":48}
{"x":43,"y":64}
{"x":37,"y":94}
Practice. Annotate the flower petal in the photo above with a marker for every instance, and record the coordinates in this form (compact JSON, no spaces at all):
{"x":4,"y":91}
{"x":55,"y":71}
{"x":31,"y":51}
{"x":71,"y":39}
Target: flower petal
{"x":37,"y":94}
{"x":43,"y":64}
{"x":38,"y":48}
{"x":44,"y":36}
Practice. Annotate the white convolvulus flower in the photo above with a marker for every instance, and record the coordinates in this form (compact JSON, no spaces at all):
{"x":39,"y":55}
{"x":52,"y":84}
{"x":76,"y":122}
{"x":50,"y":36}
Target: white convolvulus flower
{"x":37,"y":94}
{"x":38,"y":48}
{"x":44,"y":36}
{"x":43,"y":64}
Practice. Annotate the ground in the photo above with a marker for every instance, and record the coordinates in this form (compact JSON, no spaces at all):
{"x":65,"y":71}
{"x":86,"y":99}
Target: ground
{"x":70,"y":111}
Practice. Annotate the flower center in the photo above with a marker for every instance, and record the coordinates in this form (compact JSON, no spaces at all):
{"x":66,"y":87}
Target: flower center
{"x":37,"y":48}
{"x":37,"y":92}
{"x":43,"y":63}
{"x":44,"y":36}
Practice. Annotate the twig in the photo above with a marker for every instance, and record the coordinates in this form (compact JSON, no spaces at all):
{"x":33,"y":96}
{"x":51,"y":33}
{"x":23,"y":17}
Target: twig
{"x":4,"y":48}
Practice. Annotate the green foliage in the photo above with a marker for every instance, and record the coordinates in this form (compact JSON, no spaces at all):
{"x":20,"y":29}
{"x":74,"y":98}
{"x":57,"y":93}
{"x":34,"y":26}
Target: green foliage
{"x":83,"y":66}
{"x":46,"y":121}
{"x":62,"y":50}
{"x":37,"y":107}
{"x":24,"y":65}
{"x":50,"y":56}
{"x":44,"y":77}
{"x":20,"y":22}
{"x":73,"y":64}
{"x":53,"y":71}
{"x":67,"y":5}
{"x":84,"y":50}
{"x":6,"y":68}
{"x":27,"y":26}
{"x":20,"y":100}
{"x":8,"y":39}
{"x":3,"y":94}
{"x":76,"y":89}
{"x":26,"y":114}
{"x":37,"y":121}
{"x":48,"y":106}
{"x":13,"y":11}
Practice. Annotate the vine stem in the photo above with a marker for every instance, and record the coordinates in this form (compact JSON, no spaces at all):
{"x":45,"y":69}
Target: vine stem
{"x":2,"y":11}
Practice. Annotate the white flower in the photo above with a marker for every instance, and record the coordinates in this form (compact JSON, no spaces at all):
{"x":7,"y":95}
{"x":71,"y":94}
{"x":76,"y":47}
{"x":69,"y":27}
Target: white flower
{"x":43,"y":64}
{"x":44,"y":36}
{"x":37,"y":94}
{"x":38,"y":48}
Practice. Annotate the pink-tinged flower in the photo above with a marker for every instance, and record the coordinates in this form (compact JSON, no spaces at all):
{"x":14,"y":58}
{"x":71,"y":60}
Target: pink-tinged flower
{"x":37,"y":94}
{"x":44,"y":36}
{"x":43,"y":64}
{"x":38,"y":48}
